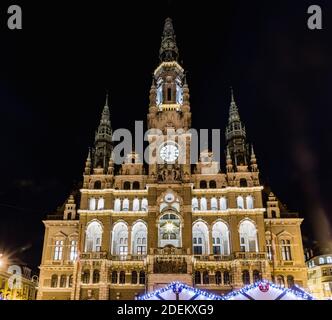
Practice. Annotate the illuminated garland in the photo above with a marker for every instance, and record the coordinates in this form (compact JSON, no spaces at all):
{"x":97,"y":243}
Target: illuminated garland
{"x":303,"y":294}
{"x":177,"y":287}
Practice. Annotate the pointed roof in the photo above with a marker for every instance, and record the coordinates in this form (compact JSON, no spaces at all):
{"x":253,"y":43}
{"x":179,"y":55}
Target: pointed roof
{"x":233,"y":109}
{"x":168,"y":48}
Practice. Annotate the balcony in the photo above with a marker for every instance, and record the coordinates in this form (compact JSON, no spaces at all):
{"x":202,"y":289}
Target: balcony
{"x":215,"y":257}
{"x":250,"y":255}
{"x":129,"y":257}
{"x":169,"y":251}
{"x":94,"y":255}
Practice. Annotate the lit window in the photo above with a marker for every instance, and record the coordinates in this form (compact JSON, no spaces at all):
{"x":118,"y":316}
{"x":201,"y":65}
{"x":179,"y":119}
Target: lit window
{"x":286,"y":250}
{"x":92,"y":204}
{"x":223,"y":204}
{"x":214,"y":204}
{"x":250,"y":202}
{"x":58,"y":250}
{"x":73,"y":250}
{"x":321,"y":260}
{"x":101,"y":203}
{"x":248,"y":237}
{"x":240,"y":202}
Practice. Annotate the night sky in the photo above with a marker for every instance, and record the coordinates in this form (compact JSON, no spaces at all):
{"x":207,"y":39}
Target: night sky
{"x":55,"y":72}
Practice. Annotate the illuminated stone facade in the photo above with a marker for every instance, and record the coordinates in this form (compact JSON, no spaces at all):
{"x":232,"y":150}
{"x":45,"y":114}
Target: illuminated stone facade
{"x":141,"y":227}
{"x":320,"y":276}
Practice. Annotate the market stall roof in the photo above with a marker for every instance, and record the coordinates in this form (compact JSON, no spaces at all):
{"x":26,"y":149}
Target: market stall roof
{"x":262,"y":290}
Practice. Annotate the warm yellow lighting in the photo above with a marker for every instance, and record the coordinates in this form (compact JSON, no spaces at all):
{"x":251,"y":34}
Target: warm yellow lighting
{"x":169,"y":227}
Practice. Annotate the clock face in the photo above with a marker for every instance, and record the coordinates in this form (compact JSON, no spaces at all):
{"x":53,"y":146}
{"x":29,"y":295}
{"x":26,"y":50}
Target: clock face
{"x":169,"y":152}
{"x":169,"y":197}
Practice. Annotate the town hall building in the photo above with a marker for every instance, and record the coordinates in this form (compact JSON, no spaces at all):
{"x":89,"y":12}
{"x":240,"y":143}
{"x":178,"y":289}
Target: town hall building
{"x":137,"y":227}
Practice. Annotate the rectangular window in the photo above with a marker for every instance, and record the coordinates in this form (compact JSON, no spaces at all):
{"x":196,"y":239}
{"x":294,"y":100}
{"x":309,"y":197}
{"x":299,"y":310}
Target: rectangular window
{"x":141,"y":250}
{"x":58,"y":250}
{"x":198,"y":250}
{"x":269,"y":249}
{"x":286,"y":251}
{"x":73,"y":250}
{"x":216,"y":250}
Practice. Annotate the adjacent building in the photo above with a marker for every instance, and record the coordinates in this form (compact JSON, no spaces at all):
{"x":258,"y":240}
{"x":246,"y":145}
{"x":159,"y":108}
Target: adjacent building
{"x":137,"y":227}
{"x":17,"y":283}
{"x":320,"y":276}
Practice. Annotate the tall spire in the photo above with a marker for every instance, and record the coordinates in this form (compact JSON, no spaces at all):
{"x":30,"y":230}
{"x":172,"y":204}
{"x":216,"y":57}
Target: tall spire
{"x":103,"y":138}
{"x":233,"y":109}
{"x":236,"y":135}
{"x":168,"y":48}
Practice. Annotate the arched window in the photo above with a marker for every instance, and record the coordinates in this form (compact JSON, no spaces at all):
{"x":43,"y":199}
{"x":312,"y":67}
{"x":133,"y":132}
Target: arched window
{"x":227,"y":278}
{"x":70,"y":282}
{"x":144,"y":204}
{"x":248,"y":237}
{"x":256,"y":276}
{"x":220,"y":239}
{"x":194,"y":204}
{"x":243,"y":183}
{"x":101,"y":203}
{"x":169,"y":230}
{"x":273,"y":214}
{"x":240,"y":202}
{"x":54,"y":281}
{"x":212,"y":184}
{"x":203,"y":204}
{"x":114,"y":277}
{"x":321,"y":260}
{"x":290,"y":281}
{"x":97,"y":185}
{"x":286,"y":250}
{"x":214,"y":204}
{"x":280,"y":281}
{"x":206,"y":279}
{"x":245,"y":277}
{"x":125,"y":204}
{"x":120,"y":239}
{"x":86,"y":276}
{"x":197,"y":277}
{"x":58,"y":250}
{"x":134,"y":277}
{"x":93,"y":238}
{"x":63,"y":279}
{"x":223,"y":203}
{"x":329,"y":259}
{"x":96,"y":276}
{"x":117,"y":205}
{"x":136,"y":185}
{"x":139,"y":238}
{"x":250,"y":202}
{"x":92,"y":204}
{"x":122,"y":278}
{"x":126,"y":185}
{"x":218,"y":277}
{"x":203,"y":184}
{"x":136,"y":205}
{"x":200,"y":238}
{"x":142,"y":277}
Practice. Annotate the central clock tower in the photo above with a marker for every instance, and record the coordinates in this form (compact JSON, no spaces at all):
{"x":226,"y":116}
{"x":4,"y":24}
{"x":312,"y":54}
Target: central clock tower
{"x":169,"y":116}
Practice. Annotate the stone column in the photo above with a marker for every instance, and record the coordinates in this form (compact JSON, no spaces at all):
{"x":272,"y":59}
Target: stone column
{"x":210,"y":240}
{"x":129,"y":241}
